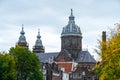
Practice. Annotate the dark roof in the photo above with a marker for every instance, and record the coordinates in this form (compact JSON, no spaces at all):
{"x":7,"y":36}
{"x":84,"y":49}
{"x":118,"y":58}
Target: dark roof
{"x":85,"y":56}
{"x":45,"y":57}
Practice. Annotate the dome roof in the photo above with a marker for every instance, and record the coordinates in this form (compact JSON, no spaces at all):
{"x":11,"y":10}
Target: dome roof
{"x":22,"y":38}
{"x":38,"y":41}
{"x":71,"y":29}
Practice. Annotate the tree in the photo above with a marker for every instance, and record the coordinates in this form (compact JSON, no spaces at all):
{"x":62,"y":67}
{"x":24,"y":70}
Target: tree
{"x":7,"y":67}
{"x":109,"y":67}
{"x":27,"y":64}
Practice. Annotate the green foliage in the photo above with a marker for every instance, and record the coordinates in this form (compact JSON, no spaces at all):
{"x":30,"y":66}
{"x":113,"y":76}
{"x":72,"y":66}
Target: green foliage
{"x":27,"y":64}
{"x":7,"y":67}
{"x":109,"y":67}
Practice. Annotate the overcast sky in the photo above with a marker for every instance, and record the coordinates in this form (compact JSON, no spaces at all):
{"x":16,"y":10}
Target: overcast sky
{"x":50,"y":16}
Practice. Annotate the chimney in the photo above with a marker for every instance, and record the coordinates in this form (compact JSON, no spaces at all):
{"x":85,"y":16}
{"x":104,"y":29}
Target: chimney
{"x":104,"y":41}
{"x":104,"y":36}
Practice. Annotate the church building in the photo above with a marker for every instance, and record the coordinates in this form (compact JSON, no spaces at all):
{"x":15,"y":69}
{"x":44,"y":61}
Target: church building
{"x":71,"y":62}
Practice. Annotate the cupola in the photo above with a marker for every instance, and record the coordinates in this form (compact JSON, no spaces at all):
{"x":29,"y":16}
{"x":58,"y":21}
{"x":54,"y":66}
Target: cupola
{"x":71,"y":29}
{"x":22,"y":39}
{"x":38,"y":48}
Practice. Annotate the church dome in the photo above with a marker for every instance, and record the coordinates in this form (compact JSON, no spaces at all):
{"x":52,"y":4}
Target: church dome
{"x":71,"y":29}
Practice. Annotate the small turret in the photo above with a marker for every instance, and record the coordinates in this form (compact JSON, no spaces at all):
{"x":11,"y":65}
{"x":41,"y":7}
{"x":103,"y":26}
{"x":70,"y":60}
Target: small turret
{"x":22,"y":39}
{"x":38,"y":48}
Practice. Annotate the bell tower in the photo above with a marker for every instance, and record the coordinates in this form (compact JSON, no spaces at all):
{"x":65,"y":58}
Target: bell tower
{"x":71,"y":37}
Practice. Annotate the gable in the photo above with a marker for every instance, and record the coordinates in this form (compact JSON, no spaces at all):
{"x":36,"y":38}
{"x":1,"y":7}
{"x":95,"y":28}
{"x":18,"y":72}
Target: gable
{"x":64,"y":55}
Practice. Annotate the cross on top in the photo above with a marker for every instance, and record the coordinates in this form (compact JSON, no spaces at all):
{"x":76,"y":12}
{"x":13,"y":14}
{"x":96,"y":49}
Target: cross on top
{"x":22,"y":25}
{"x":38,"y":30}
{"x":71,"y":12}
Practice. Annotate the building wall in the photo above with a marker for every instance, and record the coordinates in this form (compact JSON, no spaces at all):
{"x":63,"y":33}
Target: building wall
{"x":83,"y":72}
{"x":66,"y":65}
{"x":57,"y":76}
{"x":73,"y":44}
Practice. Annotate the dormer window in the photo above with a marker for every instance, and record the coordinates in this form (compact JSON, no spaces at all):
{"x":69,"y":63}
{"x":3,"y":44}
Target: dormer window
{"x":74,"y":29}
{"x":67,"y":29}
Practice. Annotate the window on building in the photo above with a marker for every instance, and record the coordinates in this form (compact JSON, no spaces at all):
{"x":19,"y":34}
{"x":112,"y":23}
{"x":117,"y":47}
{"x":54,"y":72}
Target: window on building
{"x":70,"y":75}
{"x":67,"y":29}
{"x":79,"y":75}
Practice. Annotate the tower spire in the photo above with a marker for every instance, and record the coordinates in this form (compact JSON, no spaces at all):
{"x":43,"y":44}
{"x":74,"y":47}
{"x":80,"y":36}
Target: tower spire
{"x":38,"y":48}
{"x":22,"y":25}
{"x":38,"y":34}
{"x":22,"y":32}
{"x":71,"y":17}
{"x":38,"y":30}
{"x":22,"y":39}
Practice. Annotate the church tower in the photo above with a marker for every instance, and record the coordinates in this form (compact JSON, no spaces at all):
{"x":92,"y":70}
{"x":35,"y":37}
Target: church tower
{"x":22,"y":39}
{"x":38,"y":48}
{"x":71,"y":38}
